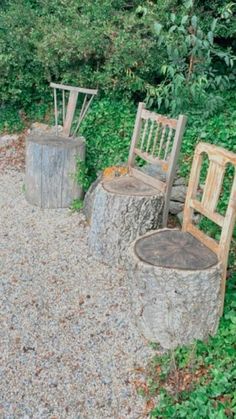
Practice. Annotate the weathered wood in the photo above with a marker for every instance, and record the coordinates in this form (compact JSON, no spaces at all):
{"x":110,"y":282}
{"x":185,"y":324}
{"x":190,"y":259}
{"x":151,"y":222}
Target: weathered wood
{"x":218,"y":158}
{"x":156,"y":150}
{"x":172,"y":164}
{"x":175,"y":249}
{"x":123,"y":209}
{"x":73,"y":88}
{"x":69,"y":113}
{"x":177,"y":279}
{"x":173,"y":304}
{"x":112,"y":213}
{"x":149,"y":180}
{"x":50,"y":170}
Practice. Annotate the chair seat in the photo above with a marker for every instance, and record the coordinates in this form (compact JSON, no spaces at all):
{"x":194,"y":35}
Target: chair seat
{"x":175,"y":249}
{"x":129,"y":185}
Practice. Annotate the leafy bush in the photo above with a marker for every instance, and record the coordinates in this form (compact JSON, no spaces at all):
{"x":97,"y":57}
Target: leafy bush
{"x":108,"y":129}
{"x":112,"y":45}
{"x":190,"y":77}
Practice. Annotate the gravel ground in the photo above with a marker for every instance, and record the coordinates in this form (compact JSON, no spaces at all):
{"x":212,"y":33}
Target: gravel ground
{"x":68,"y":347}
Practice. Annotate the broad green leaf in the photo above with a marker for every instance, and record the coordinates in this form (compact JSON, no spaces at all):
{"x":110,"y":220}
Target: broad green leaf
{"x":210,"y":37}
{"x":213,"y":25}
{"x":184,"y":19}
{"x":194,"y":21}
{"x":158,"y":28}
{"x":172,"y":28}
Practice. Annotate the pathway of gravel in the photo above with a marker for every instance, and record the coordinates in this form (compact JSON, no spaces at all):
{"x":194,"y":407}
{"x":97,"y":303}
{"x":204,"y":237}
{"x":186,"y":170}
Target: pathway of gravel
{"x":67,"y":346}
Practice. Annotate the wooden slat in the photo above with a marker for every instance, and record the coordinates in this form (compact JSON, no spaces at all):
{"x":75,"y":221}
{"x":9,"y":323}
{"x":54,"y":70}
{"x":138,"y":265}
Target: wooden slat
{"x":63,"y":106}
{"x":226,"y":235}
{"x":150,"y":159}
{"x":168,"y":143}
{"x":155,"y":139}
{"x":55,"y":110}
{"x":203,"y":238}
{"x":213,"y":185}
{"x":215,"y":217}
{"x":83,"y":112}
{"x":150,"y":136}
{"x":70,"y":112}
{"x":162,"y":140}
{"x":144,"y":134}
{"x":74,"y":89}
{"x":219,"y":152}
{"x":192,"y":189}
{"x":159,"y":118}
{"x":136,"y":133}
{"x":149,"y":180}
{"x":172,"y":163}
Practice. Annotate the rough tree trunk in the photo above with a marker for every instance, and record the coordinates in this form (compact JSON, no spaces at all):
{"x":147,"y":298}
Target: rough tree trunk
{"x":50,"y":170}
{"x":119,"y":218}
{"x":173,"y":306}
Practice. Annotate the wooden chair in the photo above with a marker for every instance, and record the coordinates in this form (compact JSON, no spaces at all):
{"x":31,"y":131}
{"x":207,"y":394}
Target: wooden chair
{"x":51,"y":159}
{"x":130,"y":205}
{"x":152,"y":142}
{"x":177,"y":278}
{"x":68,"y":112}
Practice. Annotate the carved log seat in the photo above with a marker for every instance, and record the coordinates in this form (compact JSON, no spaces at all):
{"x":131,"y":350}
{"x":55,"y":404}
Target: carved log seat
{"x":175,"y":286}
{"x":125,"y":207}
{"x":177,"y":278}
{"x":50,"y":170}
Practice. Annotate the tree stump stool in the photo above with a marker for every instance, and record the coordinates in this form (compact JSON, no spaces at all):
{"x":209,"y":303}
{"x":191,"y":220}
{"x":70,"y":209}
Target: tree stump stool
{"x":50,"y":170}
{"x":175,"y":286}
{"x":123,"y":209}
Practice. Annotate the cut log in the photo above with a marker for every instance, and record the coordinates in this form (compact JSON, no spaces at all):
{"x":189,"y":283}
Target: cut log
{"x":174,"y":283}
{"x":50,"y":170}
{"x":123,"y":209}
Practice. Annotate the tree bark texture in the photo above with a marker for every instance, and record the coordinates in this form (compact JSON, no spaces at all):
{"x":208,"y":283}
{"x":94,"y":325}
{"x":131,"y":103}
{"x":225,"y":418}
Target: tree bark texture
{"x":50,"y":170}
{"x":173,"y":306}
{"x":118,"y":219}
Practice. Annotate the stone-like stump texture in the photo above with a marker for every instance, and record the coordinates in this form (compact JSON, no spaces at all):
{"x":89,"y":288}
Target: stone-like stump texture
{"x":50,"y":170}
{"x":123,"y":210}
{"x":170,"y":305}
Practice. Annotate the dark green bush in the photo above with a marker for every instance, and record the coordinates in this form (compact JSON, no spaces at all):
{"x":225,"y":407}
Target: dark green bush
{"x":115,"y":46}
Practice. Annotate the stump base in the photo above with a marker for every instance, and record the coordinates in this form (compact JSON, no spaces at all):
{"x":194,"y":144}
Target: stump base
{"x":173,"y":306}
{"x":50,"y":170}
{"x":120,"y":214}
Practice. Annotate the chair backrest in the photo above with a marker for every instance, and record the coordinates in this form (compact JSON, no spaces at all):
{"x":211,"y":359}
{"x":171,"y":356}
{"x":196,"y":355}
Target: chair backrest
{"x":219,"y":158}
{"x":68,"y":110}
{"x":157,"y":140}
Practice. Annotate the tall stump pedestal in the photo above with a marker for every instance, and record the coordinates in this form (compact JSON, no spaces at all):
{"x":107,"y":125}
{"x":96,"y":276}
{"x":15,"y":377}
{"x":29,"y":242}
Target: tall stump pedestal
{"x":50,"y":170}
{"x":174,"y":284}
{"x":123,"y":209}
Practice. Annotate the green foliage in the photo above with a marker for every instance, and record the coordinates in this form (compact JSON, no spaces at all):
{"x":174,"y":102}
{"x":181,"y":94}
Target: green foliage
{"x":81,"y":175}
{"x":107,"y":128}
{"x":219,"y":129}
{"x":14,"y":120}
{"x":190,"y":78}
{"x":179,"y":56}
{"x":10,"y":120}
{"x":114,"y":46}
{"x":76,"y":205}
{"x":213,"y":394}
